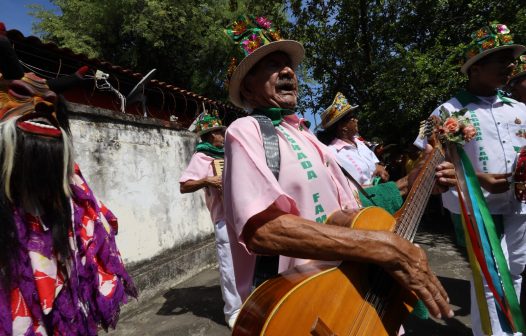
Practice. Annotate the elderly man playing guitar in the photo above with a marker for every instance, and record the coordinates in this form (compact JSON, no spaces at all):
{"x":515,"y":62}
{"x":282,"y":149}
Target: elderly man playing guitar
{"x":278,"y":207}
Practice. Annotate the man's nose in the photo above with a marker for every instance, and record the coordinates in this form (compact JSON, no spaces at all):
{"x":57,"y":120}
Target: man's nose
{"x":287,"y":70}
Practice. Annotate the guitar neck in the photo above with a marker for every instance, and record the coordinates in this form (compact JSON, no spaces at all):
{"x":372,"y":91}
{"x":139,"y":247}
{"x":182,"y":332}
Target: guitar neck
{"x":409,"y":216}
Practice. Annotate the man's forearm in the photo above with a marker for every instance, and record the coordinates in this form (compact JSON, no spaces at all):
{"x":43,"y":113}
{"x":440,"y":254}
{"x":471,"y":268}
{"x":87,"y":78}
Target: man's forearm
{"x":273,"y":232}
{"x":193,"y":185}
{"x":296,"y":237}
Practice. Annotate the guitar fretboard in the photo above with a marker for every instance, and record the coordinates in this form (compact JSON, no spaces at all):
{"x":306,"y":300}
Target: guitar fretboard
{"x":415,"y":204}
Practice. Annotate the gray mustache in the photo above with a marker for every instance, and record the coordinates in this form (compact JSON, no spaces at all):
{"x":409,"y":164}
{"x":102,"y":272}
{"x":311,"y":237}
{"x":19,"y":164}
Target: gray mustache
{"x":286,"y":82}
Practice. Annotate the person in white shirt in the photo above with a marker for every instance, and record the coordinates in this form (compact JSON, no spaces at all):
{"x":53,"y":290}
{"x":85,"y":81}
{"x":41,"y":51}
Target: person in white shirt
{"x":341,"y":135}
{"x":501,"y":128}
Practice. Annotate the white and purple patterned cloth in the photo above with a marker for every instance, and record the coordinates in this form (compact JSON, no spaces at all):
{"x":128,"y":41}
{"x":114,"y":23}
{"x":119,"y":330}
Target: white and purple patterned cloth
{"x":46,"y":299}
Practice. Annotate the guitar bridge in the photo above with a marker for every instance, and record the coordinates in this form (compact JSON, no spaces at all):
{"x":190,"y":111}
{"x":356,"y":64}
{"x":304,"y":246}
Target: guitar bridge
{"x":321,"y":329}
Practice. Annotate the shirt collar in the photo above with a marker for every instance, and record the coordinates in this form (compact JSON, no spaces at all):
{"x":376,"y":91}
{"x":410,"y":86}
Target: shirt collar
{"x":465,"y":98}
{"x":339,"y":144}
{"x":296,"y":122}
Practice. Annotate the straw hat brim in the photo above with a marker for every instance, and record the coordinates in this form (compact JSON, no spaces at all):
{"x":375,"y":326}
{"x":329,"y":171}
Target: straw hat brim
{"x":292,"y":48}
{"x":211,"y":129}
{"x":338,"y":117}
{"x":517,"y":51}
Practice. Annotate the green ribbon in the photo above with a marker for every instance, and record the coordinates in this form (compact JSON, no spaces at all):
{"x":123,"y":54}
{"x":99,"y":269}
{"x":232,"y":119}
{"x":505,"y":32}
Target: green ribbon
{"x":509,"y":290}
{"x":275,"y":114}
{"x":210,"y":150}
{"x":504,"y":99}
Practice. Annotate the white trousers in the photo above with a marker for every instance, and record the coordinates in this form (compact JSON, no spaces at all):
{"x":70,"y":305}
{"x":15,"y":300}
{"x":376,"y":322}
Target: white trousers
{"x":226,"y":272}
{"x":514,"y":248}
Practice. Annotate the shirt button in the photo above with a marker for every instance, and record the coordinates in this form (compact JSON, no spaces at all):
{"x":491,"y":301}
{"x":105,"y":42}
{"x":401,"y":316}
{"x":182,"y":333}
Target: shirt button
{"x":503,"y":141}
{"x":498,"y":122}
{"x":509,"y":161}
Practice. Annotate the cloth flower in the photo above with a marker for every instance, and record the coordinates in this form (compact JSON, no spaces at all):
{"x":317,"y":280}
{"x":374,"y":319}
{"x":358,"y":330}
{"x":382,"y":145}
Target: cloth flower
{"x":451,"y":125}
{"x":469,"y":132}
{"x":263,"y":22}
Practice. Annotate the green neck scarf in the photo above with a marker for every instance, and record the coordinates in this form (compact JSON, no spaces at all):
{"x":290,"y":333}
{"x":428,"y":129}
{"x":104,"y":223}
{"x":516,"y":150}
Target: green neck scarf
{"x":275,"y":114}
{"x":210,"y":150}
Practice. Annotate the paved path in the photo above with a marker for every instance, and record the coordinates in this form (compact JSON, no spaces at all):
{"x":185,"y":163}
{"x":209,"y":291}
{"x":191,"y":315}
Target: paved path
{"x":194,"y":307}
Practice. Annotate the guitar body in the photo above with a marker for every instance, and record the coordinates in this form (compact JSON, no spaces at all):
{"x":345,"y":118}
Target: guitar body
{"x":321,"y":299}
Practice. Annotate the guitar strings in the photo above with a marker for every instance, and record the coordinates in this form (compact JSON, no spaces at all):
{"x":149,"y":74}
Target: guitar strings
{"x":427,"y":176}
{"x":406,"y":230}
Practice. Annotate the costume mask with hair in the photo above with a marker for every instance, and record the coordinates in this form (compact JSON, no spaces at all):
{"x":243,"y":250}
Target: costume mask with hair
{"x":60,"y":269}
{"x":35,"y":149}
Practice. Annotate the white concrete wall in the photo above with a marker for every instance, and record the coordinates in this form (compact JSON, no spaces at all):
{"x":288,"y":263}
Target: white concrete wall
{"x":134,"y":170}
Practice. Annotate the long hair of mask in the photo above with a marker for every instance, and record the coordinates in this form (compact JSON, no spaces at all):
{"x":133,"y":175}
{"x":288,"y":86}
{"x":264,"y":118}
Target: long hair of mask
{"x":35,"y":169}
{"x":36,"y":173}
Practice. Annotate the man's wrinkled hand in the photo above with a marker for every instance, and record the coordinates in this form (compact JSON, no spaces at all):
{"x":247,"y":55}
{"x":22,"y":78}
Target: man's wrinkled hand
{"x":410,"y":269}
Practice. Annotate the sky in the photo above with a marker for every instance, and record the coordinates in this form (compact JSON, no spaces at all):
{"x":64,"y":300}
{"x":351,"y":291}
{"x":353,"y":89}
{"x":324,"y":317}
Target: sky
{"x":15,"y":14}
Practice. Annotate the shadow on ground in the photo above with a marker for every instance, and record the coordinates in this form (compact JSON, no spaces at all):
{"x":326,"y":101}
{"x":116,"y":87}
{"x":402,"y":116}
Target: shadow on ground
{"x":201,"y":301}
{"x":458,"y":291}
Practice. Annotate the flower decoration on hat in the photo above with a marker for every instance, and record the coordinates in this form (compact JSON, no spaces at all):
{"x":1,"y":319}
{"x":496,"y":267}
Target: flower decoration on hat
{"x":340,"y":106}
{"x":263,"y":22}
{"x":208,"y":122}
{"x":487,"y":39}
{"x":249,"y":33}
{"x":239,"y":27}
{"x":520,"y":68}
{"x":253,"y":39}
{"x":252,"y":43}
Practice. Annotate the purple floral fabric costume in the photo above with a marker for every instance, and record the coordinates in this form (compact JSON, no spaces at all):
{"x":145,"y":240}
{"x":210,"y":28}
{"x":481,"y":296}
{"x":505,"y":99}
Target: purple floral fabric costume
{"x":47,"y":299}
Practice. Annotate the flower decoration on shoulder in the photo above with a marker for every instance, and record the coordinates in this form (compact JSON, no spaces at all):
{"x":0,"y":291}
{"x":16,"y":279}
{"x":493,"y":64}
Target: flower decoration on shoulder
{"x":455,"y":126}
{"x":449,"y":126}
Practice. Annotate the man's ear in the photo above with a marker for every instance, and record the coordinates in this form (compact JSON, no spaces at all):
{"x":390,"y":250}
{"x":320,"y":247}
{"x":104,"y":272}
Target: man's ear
{"x":245,"y":90}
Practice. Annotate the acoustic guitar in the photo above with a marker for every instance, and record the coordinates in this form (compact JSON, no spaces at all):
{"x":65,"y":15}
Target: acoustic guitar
{"x":350,"y":299}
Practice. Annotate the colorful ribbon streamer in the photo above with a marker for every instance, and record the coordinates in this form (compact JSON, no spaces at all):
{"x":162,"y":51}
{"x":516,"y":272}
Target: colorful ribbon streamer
{"x":484,"y":244}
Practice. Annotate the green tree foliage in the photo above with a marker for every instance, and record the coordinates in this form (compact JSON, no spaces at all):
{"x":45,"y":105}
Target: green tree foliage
{"x":184,"y":40}
{"x":397,"y":59}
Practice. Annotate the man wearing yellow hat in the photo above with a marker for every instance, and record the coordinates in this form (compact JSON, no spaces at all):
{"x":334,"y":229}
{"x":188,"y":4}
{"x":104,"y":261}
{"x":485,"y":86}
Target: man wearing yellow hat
{"x":489,"y":61}
{"x":278,"y":193}
{"x":203,"y":172}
